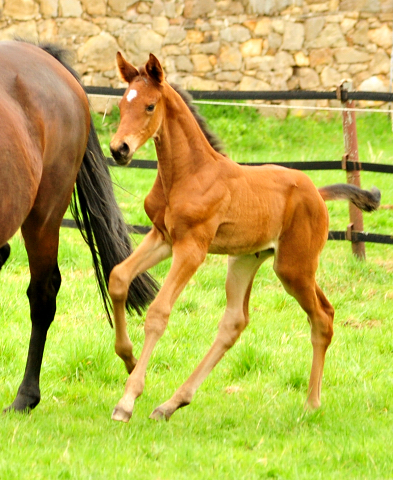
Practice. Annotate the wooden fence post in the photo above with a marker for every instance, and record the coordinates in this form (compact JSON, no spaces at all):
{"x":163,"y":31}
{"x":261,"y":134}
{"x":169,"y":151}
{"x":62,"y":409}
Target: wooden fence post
{"x":353,"y":174}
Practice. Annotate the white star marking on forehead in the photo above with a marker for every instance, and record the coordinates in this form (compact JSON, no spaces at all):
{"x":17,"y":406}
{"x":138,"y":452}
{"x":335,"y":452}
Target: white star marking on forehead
{"x":131,"y":95}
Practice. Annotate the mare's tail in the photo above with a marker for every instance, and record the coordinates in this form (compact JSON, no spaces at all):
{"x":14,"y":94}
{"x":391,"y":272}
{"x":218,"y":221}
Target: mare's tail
{"x":367,"y":200}
{"x":101,"y":223}
{"x":98,"y":217}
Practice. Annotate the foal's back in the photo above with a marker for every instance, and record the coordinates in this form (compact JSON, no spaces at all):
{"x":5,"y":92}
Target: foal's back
{"x":263,"y":203}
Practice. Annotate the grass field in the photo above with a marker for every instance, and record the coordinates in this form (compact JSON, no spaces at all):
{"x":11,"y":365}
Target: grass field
{"x":247,"y":419}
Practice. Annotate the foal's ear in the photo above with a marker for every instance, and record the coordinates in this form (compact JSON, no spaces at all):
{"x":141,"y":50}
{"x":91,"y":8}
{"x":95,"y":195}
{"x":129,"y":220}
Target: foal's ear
{"x":154,"y":69}
{"x":127,"y":71}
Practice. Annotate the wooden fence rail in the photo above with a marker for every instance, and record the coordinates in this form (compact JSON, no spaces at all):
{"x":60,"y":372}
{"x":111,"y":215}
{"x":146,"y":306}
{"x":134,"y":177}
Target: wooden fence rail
{"x":350,"y":161}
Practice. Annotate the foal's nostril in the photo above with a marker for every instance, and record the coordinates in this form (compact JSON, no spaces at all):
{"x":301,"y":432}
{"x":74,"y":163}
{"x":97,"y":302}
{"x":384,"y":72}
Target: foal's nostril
{"x":124,"y":149}
{"x":120,"y":152}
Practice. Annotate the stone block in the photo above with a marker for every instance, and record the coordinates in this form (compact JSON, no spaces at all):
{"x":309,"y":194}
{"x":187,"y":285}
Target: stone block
{"x":230,"y":58}
{"x":360,"y":35}
{"x":229,"y":7}
{"x":120,"y":6}
{"x":198,"y":8}
{"x":380,"y":63}
{"x":320,"y":56}
{"x":293,"y":36}
{"x":197,"y":83}
{"x":70,"y":8}
{"x":253,"y":84}
{"x":98,"y":53}
{"x":347,"y":24}
{"x":264,"y":64}
{"x":381,"y":36}
{"x":313,"y":27}
{"x":235,"y":33}
{"x":301,"y":59}
{"x":274,"y":41}
{"x":183,"y":63}
{"x":21,"y":9}
{"x":76,"y":26}
{"x":157,"y":8}
{"x":350,"y":55}
{"x":251,"y":48}
{"x":201,"y":63}
{"x":234,"y":77}
{"x":278,"y":25}
{"x":160,"y":25}
{"x":140,"y":42}
{"x":47,"y":30}
{"x":373,"y":84}
{"x":211,"y":48}
{"x":194,"y":36}
{"x":49,"y":8}
{"x":308,"y":78}
{"x":94,"y":7}
{"x":330,"y":36}
{"x":263,"y":27}
{"x":283,"y":60}
{"x":26,"y":30}
{"x":174,"y":35}
{"x":330,"y":77}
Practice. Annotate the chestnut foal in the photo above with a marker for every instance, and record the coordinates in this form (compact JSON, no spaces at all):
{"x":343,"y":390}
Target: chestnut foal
{"x":202,"y":202}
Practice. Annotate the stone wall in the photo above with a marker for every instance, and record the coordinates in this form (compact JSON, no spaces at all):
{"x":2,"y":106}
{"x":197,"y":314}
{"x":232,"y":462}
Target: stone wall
{"x":218,"y":44}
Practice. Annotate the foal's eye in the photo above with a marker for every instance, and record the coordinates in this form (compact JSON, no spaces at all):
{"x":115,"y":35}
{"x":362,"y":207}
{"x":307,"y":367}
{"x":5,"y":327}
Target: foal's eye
{"x":150,"y":108}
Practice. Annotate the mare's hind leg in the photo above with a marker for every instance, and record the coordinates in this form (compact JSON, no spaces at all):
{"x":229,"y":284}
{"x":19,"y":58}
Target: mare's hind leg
{"x":42,"y":291}
{"x":5,"y":251}
{"x":241,"y":272}
{"x":297,"y":274}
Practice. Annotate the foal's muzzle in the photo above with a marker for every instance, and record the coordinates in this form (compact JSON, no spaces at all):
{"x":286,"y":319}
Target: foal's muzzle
{"x":121,"y":154}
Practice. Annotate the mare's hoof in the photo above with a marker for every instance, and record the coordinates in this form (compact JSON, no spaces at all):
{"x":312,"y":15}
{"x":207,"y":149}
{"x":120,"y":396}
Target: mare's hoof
{"x":120,"y":415}
{"x":159,"y":414}
{"x":23,"y":404}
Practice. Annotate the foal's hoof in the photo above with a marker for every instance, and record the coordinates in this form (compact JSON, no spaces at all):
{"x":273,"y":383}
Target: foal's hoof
{"x":159,"y":414}
{"x":120,"y":415}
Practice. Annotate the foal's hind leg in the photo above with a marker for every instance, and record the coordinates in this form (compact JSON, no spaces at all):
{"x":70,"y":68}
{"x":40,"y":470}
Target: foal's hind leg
{"x":241,"y":272}
{"x":42,"y":291}
{"x":297,"y":274}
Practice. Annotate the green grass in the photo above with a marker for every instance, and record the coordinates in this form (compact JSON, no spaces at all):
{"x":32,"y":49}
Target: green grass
{"x":247,"y":419}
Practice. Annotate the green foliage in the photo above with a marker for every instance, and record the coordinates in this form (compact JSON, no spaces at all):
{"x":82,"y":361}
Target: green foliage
{"x":247,"y":419}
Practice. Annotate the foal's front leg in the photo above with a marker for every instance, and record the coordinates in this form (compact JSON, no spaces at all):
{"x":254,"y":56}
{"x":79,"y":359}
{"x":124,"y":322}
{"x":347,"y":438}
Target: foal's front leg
{"x":187,"y":257}
{"x":151,"y":251}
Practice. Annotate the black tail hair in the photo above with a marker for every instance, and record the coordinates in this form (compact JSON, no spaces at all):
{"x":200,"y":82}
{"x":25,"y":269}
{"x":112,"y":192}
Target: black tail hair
{"x":98,"y":217}
{"x":367,"y":200}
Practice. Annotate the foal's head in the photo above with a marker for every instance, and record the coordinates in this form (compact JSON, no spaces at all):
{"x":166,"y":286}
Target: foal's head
{"x":141,"y":108}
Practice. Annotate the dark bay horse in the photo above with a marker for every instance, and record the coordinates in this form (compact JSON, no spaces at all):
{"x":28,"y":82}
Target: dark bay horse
{"x":47,"y":144}
{"x":202,"y":202}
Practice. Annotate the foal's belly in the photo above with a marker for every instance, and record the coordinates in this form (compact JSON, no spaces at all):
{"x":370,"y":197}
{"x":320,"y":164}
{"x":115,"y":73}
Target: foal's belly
{"x":235,"y":240}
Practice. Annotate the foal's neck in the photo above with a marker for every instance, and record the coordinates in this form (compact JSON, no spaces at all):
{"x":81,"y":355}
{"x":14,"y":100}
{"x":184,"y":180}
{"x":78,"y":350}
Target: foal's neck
{"x":182,"y":148}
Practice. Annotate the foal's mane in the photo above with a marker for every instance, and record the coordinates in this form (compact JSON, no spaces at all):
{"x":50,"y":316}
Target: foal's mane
{"x":213,"y":140}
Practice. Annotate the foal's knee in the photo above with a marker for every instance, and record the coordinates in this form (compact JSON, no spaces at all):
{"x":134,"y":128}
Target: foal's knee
{"x":157,"y":318}
{"x":118,"y":284}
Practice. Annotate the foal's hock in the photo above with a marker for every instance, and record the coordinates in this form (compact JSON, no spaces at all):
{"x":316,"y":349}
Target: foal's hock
{"x":202,"y":202}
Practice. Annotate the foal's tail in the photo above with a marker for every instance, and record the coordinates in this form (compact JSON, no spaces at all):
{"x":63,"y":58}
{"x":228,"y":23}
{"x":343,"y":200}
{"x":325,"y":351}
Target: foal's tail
{"x":99,"y":218}
{"x":367,"y":200}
